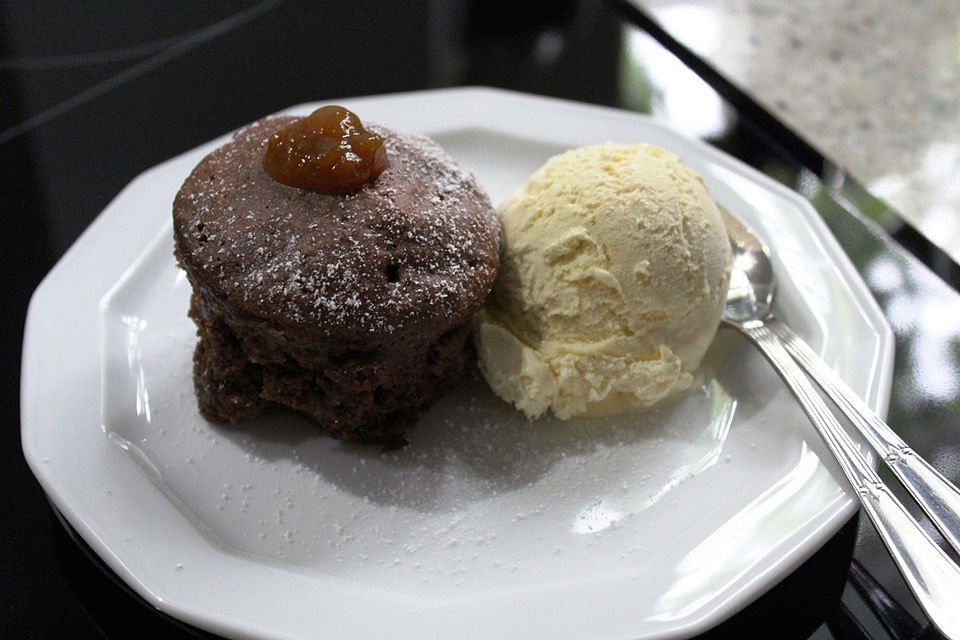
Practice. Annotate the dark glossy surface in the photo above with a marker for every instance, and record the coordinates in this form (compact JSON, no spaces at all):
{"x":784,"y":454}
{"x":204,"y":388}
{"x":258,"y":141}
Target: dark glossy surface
{"x":91,"y":96}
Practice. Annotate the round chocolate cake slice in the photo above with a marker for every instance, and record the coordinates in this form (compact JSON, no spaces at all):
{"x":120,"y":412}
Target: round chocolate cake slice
{"x":351,"y":309}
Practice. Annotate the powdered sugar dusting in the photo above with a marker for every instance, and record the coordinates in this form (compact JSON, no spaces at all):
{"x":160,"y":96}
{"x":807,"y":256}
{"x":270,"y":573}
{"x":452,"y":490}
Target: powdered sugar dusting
{"x":414,"y":250}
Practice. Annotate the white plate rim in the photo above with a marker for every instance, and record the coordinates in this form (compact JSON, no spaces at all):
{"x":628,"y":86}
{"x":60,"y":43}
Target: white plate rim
{"x":72,"y":505}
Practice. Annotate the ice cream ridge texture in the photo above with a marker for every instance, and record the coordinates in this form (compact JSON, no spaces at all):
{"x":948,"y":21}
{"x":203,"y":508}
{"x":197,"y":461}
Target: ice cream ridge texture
{"x":614,"y":273}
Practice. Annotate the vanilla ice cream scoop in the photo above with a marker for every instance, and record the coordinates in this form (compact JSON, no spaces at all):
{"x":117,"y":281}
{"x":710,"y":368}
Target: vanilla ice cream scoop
{"x":613,"y":278}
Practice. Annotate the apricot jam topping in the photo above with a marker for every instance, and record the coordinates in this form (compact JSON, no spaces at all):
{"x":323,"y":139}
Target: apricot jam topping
{"x":328,"y":151}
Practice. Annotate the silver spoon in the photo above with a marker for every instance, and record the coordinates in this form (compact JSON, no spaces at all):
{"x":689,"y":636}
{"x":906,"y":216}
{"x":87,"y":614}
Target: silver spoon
{"x":931,"y":575}
{"x":934,"y":493}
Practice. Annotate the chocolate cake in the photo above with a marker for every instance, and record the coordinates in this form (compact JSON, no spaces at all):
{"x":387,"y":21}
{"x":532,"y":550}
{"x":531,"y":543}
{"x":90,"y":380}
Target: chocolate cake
{"x":351,"y":309}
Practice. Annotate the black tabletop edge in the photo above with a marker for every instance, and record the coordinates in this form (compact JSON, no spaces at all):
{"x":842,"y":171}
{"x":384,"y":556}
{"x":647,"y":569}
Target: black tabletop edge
{"x":791,"y":144}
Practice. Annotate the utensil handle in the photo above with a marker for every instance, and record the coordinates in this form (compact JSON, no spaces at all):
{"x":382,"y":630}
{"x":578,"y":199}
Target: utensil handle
{"x":931,"y":575}
{"x":936,"y":495}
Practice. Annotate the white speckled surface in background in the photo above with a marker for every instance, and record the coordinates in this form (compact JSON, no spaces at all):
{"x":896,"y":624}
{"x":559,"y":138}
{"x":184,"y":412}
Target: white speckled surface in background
{"x":874,"y":84}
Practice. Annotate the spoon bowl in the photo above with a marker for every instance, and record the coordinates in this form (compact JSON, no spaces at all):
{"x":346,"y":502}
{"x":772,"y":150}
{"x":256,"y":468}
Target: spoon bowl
{"x":750,"y":295}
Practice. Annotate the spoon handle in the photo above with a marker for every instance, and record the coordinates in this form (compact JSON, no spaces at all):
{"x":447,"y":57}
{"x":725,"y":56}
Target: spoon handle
{"x":934,"y":493}
{"x":931,"y":575}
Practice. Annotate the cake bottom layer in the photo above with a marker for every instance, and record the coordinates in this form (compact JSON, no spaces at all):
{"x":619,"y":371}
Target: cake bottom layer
{"x":368,"y":398}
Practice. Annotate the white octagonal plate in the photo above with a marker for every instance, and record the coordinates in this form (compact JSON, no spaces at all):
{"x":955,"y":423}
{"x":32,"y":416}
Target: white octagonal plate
{"x":655,"y":525}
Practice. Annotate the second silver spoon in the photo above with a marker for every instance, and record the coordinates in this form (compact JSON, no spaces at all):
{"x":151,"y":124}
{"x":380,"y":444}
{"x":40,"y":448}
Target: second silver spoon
{"x":931,"y":575}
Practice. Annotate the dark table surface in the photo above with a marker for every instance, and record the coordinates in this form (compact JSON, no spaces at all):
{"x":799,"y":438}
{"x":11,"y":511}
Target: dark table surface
{"x":92,"y":95}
